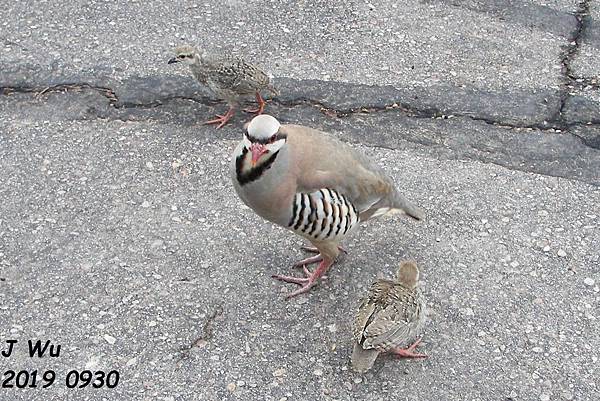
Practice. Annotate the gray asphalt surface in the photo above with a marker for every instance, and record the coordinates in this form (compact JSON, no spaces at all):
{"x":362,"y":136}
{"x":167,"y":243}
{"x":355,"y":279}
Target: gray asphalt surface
{"x":121,"y":237}
{"x":377,"y":42}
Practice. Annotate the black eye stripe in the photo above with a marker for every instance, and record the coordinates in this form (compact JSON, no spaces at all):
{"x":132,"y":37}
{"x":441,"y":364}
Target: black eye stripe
{"x":265,"y":141}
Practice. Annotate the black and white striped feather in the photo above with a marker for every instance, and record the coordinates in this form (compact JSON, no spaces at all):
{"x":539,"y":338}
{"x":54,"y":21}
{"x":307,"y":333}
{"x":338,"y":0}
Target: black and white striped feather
{"x":323,"y":215}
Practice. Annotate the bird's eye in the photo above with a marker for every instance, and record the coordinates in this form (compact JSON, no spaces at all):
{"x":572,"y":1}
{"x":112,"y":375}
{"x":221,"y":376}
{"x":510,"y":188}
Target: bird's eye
{"x":272,"y":138}
{"x":181,"y":56}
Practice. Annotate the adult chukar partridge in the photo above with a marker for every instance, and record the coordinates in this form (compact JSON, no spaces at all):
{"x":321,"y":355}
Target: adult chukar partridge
{"x":313,"y":184}
{"x":229,"y":78}
{"x":388,"y":318}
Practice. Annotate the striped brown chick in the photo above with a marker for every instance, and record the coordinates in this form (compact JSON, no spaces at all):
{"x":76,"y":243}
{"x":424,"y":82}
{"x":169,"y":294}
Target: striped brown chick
{"x":389,"y":317}
{"x":229,"y":78}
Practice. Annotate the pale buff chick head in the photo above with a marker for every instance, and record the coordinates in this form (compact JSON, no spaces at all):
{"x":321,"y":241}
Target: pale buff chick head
{"x":184,"y":54}
{"x":408,"y":274}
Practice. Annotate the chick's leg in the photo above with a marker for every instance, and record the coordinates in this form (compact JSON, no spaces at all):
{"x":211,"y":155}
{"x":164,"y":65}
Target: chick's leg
{"x":222,"y":119}
{"x":261,"y":105}
{"x":410,"y":351}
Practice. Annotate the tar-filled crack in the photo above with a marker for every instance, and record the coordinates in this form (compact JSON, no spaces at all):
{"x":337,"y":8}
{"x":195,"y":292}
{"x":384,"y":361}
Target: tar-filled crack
{"x":568,"y":80}
{"x":160,"y":102}
{"x":553,"y":124}
{"x":585,"y":83}
{"x":61,"y":88}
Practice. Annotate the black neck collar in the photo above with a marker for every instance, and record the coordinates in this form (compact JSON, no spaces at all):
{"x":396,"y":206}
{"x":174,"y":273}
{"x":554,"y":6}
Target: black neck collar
{"x":254,"y":173}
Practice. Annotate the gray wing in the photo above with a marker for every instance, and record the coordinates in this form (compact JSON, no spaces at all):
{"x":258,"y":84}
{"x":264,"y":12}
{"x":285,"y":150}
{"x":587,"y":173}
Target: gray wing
{"x":323,"y":161}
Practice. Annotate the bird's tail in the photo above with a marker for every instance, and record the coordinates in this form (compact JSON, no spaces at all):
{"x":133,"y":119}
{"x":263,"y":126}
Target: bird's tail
{"x":273,"y":90}
{"x":363,"y":359}
{"x":402,"y":205}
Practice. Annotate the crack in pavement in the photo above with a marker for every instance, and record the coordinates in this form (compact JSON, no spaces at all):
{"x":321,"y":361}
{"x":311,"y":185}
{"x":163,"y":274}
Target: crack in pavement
{"x":584,"y":82}
{"x":574,"y":45}
{"x":553,"y":124}
{"x":430,"y":113}
{"x":61,"y":88}
{"x":522,"y":148}
{"x":207,"y":329}
{"x":206,"y":333}
{"x":569,"y":81}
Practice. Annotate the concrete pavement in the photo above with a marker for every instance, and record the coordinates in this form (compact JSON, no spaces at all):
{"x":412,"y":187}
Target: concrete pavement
{"x":122,"y":239}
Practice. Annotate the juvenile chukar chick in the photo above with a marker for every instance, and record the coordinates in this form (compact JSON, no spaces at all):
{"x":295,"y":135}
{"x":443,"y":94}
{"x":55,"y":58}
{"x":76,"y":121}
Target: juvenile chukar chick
{"x":229,"y":78}
{"x":388,"y":318}
{"x":312,"y":184}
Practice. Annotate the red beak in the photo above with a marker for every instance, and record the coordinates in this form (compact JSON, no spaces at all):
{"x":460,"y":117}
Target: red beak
{"x":257,"y":150}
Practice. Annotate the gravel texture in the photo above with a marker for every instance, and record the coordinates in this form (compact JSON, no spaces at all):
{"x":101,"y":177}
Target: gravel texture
{"x":122,"y":240}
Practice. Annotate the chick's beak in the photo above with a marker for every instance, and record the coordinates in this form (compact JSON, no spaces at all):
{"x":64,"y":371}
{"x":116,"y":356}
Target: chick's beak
{"x":257,"y":150}
{"x":173,"y":60}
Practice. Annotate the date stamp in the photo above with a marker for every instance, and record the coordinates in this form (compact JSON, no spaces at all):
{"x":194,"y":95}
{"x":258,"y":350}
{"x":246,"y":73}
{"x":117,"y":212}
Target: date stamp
{"x":74,"y":378}
{"x":14,"y":378}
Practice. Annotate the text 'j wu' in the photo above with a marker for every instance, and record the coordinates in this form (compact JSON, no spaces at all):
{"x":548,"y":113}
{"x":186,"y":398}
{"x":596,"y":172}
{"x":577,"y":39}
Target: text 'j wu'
{"x":35,"y":348}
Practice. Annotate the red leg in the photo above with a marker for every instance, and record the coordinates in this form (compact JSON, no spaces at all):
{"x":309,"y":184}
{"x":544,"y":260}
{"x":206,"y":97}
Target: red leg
{"x":308,"y":261}
{"x":315,"y":250}
{"x":312,"y":259}
{"x":261,"y":105}
{"x":409,"y":352}
{"x":222,"y":119}
{"x":307,"y":282}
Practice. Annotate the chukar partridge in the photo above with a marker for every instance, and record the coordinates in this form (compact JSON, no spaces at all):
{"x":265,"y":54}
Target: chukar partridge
{"x":388,"y":318}
{"x":229,"y":78}
{"x":312,"y":184}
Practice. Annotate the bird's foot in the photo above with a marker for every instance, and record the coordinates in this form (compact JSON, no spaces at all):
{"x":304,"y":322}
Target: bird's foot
{"x":312,"y":249}
{"x":221,"y":119}
{"x":410,"y":351}
{"x":261,"y":105}
{"x":305,"y":283}
{"x":256,"y":111}
{"x":309,"y":261}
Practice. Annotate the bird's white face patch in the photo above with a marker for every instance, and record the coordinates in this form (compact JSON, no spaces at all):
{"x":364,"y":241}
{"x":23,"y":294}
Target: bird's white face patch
{"x":263,"y":126}
{"x":275,"y":146}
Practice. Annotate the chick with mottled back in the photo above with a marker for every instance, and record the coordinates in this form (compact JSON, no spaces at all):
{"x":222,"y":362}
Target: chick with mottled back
{"x":388,"y":318}
{"x":229,"y":78}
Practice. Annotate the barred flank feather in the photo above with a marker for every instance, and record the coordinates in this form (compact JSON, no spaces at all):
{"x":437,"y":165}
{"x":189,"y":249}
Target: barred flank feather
{"x":323,"y":215}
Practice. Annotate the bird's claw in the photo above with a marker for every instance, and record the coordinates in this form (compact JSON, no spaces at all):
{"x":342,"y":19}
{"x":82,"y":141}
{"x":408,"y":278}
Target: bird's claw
{"x":308,"y":261}
{"x":221,"y":119}
{"x":305,"y":283}
{"x":257,"y":110}
{"x":410,"y":351}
